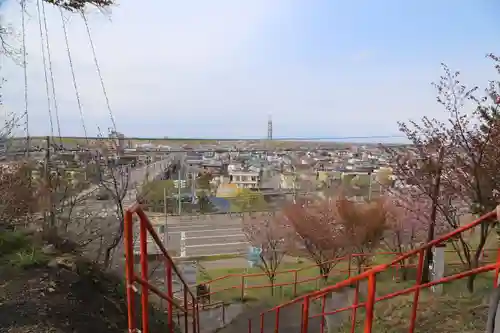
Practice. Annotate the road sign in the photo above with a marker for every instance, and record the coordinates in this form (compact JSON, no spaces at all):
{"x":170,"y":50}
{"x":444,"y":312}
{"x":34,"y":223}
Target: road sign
{"x":182,"y":183}
{"x":253,"y":256}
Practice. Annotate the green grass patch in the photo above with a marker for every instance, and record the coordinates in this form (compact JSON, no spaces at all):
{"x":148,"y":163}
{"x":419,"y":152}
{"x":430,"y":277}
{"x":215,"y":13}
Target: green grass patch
{"x":257,"y":286}
{"x":454,"y":310}
{"x":19,"y":250}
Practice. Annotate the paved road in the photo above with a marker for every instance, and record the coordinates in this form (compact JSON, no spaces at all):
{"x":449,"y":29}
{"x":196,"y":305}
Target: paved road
{"x":204,"y":234}
{"x":136,"y":177}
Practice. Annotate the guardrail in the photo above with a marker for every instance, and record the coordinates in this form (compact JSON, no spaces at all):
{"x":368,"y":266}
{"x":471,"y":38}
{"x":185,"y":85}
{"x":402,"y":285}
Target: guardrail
{"x":370,"y":276}
{"x":295,"y":281}
{"x":188,"y":306}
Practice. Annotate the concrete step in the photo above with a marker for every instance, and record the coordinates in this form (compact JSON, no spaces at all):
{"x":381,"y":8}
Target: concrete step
{"x":212,"y":320}
{"x":289,"y":322}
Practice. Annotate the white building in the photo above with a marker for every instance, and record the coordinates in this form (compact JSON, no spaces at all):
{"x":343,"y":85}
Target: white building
{"x":244,"y":179}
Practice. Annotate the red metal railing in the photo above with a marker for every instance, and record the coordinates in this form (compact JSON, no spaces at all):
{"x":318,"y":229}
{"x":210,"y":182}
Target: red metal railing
{"x":187,"y":306}
{"x":243,"y":280}
{"x":370,"y":275}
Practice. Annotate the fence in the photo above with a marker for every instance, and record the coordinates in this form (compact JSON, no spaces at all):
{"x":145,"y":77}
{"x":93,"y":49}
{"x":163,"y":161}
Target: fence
{"x":293,"y":282}
{"x":371,"y":298}
{"x":185,"y":305}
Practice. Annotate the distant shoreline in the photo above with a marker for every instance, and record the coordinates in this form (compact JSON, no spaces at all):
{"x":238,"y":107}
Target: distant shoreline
{"x":353,"y":140}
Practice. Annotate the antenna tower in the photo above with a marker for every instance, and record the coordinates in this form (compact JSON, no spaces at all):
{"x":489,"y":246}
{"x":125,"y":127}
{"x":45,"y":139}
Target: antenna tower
{"x":269,"y":128}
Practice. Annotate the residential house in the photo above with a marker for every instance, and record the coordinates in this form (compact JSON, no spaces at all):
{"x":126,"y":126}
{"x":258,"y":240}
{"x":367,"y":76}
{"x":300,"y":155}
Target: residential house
{"x":245,"y":178}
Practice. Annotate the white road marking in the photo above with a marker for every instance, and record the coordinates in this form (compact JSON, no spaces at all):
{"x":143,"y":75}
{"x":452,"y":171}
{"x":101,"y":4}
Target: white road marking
{"x":203,"y":230}
{"x":220,"y":236}
{"x":211,"y":245}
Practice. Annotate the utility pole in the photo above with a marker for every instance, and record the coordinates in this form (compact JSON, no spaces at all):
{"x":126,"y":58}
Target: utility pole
{"x":179,"y":183}
{"x":294,"y":183}
{"x":369,"y":186}
{"x":193,"y":188}
{"x":48,"y":184}
{"x":165,"y":230}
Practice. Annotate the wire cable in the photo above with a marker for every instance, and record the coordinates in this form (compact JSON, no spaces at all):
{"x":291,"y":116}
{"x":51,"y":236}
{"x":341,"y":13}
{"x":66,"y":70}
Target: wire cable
{"x":80,"y":109}
{"x":99,"y":71}
{"x":51,"y":72}
{"x":25,"y":115}
{"x":44,"y":60}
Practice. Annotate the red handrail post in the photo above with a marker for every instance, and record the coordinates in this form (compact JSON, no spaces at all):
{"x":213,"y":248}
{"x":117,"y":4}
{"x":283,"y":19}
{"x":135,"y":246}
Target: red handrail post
{"x":322,"y":322}
{"x":186,"y":310}
{"x":197,"y":317}
{"x":349,"y":266}
{"x":370,"y":302}
{"x":262,"y":322}
{"x":194,"y":315}
{"x":420,"y":269}
{"x":277,"y":321}
{"x":147,"y":228}
{"x":249,"y":325}
{"x":129,"y":269}
{"x":143,"y":234}
{"x":242,"y":287}
{"x":170,"y":292}
{"x":295,"y":278}
{"x":355,"y":308}
{"x":497,"y":270}
{"x":305,"y":315}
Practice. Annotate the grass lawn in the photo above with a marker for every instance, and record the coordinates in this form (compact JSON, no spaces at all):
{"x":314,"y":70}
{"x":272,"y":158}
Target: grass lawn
{"x":454,"y":308}
{"x":257,"y":285}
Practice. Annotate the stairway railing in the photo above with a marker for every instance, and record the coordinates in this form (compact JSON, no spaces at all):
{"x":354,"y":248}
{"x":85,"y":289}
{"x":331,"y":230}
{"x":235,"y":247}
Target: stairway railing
{"x":246,"y":281}
{"x":371,"y":298}
{"x":189,"y":305}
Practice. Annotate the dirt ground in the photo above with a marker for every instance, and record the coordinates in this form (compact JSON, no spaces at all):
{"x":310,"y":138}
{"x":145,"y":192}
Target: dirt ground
{"x":71,"y":298}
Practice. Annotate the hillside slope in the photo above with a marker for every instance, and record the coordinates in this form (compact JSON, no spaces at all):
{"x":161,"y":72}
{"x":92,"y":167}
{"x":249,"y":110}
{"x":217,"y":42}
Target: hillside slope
{"x":58,"y":292}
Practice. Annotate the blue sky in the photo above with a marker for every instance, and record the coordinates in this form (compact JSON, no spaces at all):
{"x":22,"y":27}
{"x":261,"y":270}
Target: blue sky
{"x":218,"y":69}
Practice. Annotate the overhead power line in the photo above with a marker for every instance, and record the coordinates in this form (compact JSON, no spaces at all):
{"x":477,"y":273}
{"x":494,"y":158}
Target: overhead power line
{"x":25,"y":70}
{"x":44,"y":60}
{"x":51,"y":72}
{"x":80,"y":109}
{"x":99,"y":71}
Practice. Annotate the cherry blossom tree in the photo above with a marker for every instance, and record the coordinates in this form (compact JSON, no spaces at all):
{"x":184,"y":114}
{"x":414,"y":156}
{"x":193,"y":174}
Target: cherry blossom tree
{"x":317,"y":232}
{"x":76,"y":5}
{"x":408,"y":220}
{"x":363,"y":227}
{"x":268,"y":233}
{"x":455,"y":163}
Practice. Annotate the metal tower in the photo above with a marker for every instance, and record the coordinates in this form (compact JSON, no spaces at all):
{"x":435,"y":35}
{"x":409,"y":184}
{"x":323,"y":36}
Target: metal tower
{"x":269,"y":128}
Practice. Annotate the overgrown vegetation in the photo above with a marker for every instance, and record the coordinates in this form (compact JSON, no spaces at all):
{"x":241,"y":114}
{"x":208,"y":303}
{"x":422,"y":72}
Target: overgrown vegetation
{"x":17,"y":249}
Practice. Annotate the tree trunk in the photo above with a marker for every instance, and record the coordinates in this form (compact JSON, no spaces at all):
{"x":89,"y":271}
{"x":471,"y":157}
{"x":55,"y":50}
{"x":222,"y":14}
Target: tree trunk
{"x":430,"y":234}
{"x":325,"y":272}
{"x":470,"y":280}
{"x":404,"y":271}
{"x":470,"y":283}
{"x":475,"y":259}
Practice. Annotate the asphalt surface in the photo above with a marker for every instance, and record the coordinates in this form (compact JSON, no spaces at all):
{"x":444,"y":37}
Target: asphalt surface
{"x":204,"y":235}
{"x":136,"y":177}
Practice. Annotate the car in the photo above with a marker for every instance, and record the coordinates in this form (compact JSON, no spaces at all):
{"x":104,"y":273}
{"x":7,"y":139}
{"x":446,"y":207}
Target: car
{"x":102,"y":195}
